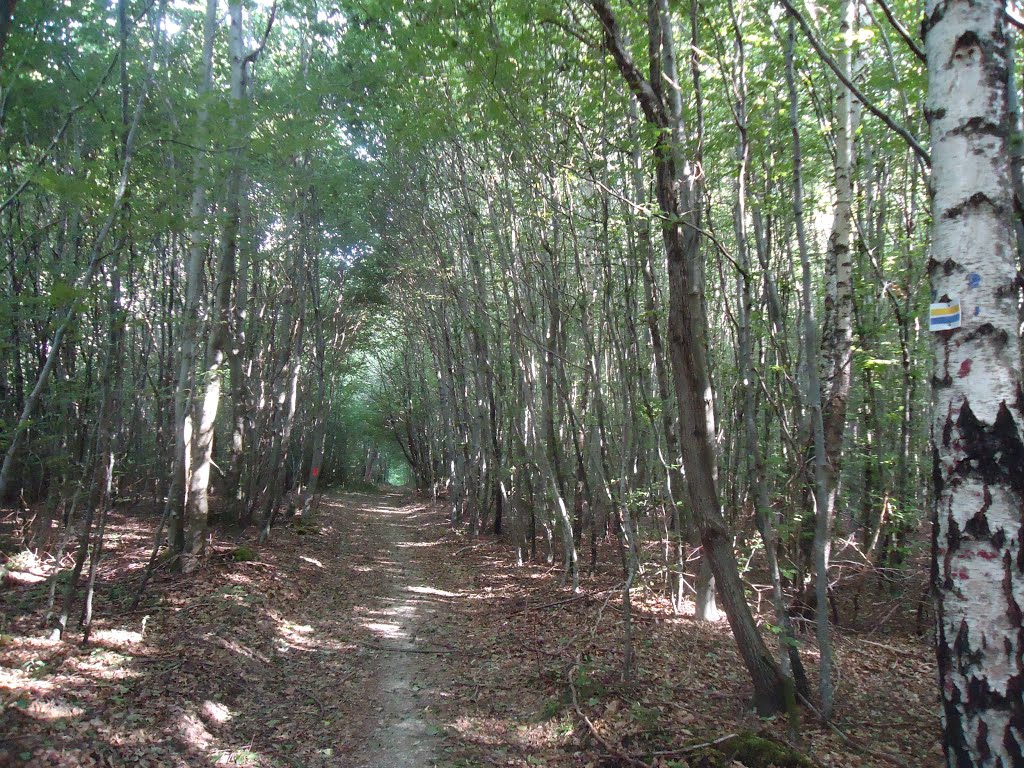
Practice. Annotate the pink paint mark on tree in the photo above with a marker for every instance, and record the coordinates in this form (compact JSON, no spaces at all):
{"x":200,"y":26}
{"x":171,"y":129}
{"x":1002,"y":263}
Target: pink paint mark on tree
{"x":965,"y":368}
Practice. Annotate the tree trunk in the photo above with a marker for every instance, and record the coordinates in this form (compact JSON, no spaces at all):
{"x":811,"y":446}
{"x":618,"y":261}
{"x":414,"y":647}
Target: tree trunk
{"x":677,"y":189}
{"x":977,"y":435}
{"x":185,"y":392}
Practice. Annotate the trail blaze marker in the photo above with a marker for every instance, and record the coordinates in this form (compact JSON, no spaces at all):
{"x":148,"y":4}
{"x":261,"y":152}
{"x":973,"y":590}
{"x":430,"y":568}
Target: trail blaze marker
{"x":944,"y":315}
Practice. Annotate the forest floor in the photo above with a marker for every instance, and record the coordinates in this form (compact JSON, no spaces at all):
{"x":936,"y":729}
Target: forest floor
{"x":376,"y":636}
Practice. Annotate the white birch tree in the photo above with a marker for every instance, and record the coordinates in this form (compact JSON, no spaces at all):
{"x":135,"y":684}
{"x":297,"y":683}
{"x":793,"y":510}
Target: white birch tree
{"x":977,"y":436}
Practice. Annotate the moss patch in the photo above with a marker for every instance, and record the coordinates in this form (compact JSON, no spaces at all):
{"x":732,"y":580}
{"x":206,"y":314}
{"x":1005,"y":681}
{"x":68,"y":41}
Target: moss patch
{"x":243,"y":554}
{"x":751,"y":750}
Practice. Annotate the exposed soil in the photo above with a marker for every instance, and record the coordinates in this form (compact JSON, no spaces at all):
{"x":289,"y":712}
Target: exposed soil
{"x":378,"y":637}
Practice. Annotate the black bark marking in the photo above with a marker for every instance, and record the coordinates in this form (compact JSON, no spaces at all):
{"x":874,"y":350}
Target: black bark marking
{"x":1009,"y":289}
{"x":946,"y":380}
{"x":1000,"y":337}
{"x":998,"y":538}
{"x":981,"y":742}
{"x":979,"y":126}
{"x":930,"y":21}
{"x":975,"y":201}
{"x":1013,"y":611}
{"x":966,"y":49}
{"x":947,"y":431}
{"x":977,"y":527}
{"x":952,"y":548}
{"x":954,"y":740}
{"x":1009,"y":742}
{"x":994,"y":455}
{"x":967,"y":657}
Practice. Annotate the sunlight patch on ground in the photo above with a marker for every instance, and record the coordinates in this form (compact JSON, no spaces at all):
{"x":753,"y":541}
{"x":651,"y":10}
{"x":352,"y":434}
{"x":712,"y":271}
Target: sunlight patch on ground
{"x":234,"y":577}
{"x":54,"y":710}
{"x":217,"y":712}
{"x":295,"y":636}
{"x":25,"y":568}
{"x":432,"y":591}
{"x":307,"y":638}
{"x":417,"y":544}
{"x":193,"y":732}
{"x":391,"y":630}
{"x":491,"y":730}
{"x":312,"y":561}
{"x":387,"y":630}
{"x":116,"y":637}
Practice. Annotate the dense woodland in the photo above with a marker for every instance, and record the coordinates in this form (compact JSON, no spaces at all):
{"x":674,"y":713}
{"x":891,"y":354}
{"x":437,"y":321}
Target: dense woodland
{"x":584,"y":273}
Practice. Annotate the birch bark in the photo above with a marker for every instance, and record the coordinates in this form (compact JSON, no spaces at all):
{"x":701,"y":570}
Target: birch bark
{"x":977,"y":435}
{"x":836,"y":345}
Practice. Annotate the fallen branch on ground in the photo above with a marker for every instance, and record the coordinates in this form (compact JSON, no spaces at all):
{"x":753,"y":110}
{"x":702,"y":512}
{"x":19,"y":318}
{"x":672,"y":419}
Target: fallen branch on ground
{"x":606,"y":745}
{"x":549,"y":605}
{"x":856,"y":744}
{"x":398,"y":649}
{"x":692,"y":747}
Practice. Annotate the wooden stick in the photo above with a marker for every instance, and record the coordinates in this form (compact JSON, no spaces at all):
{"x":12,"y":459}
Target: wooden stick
{"x":548,"y":605}
{"x":411,"y":650}
{"x":608,"y":747}
{"x":850,"y":740}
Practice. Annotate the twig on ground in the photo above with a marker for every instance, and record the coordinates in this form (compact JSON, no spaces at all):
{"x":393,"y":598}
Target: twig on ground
{"x":399,"y":649}
{"x":605,"y":744}
{"x":898,"y":651}
{"x":855,"y":743}
{"x":692,"y":747}
{"x":549,"y":605}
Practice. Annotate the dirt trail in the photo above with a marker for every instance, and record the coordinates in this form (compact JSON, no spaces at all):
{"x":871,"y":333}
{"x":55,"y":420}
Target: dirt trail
{"x":404,"y":675}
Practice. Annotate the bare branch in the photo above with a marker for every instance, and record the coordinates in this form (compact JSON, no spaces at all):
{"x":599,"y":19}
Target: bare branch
{"x":898,"y":129}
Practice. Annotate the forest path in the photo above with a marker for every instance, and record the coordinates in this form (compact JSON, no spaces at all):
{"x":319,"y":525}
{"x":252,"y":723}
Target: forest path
{"x":384,"y":546}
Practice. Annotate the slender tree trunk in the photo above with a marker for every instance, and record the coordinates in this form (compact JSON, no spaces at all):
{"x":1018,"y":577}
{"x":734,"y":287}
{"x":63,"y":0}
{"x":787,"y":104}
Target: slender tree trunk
{"x":819,"y":490}
{"x":190,"y":332}
{"x":836,"y":348}
{"x":764,"y":515}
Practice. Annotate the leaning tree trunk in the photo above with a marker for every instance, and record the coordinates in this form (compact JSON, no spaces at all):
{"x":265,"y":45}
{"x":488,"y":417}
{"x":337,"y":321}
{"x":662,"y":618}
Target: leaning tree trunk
{"x":977,"y":435}
{"x":676,"y":189}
